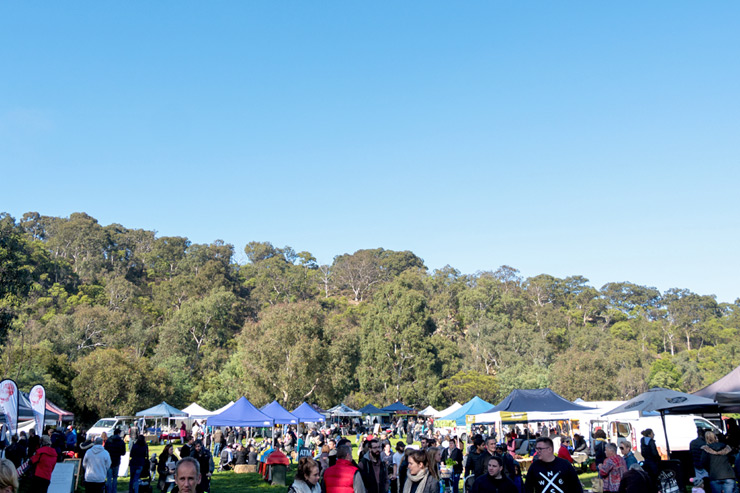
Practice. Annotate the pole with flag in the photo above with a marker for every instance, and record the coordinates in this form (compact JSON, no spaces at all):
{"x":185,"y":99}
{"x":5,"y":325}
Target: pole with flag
{"x":37,"y":396}
{"x":9,"y":404}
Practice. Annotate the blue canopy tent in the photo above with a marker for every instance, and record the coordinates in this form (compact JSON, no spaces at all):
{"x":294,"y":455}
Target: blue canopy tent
{"x":279,"y":414}
{"x":242,"y":413}
{"x":397,"y":407}
{"x":371,"y":410}
{"x":159,"y":412}
{"x":162,"y":410}
{"x":457,"y":418}
{"x":307,"y":414}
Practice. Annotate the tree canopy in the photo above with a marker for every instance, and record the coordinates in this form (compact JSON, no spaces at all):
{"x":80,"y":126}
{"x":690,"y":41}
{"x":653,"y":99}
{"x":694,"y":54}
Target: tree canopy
{"x":113,"y":320}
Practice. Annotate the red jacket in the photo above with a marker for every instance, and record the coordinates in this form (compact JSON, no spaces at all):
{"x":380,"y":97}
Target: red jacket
{"x":339,"y":477}
{"x":45,"y":459}
{"x":563,"y":453}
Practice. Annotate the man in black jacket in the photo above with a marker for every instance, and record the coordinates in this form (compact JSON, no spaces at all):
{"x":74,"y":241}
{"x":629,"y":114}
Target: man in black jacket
{"x":373,"y":471}
{"x":116,"y":448}
{"x":474,"y":456}
{"x":455,"y":454}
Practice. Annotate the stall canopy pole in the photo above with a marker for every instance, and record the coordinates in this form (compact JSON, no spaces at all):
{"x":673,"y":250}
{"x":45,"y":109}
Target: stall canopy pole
{"x":665,"y":431}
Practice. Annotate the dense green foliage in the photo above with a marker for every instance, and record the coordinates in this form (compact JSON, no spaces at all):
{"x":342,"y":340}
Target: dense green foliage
{"x":113,"y":320}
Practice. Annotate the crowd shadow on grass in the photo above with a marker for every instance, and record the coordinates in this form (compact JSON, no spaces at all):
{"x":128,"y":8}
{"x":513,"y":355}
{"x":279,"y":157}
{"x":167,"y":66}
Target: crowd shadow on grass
{"x":228,"y":481}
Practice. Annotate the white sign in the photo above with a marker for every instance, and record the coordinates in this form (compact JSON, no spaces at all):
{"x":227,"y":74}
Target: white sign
{"x":63,"y":478}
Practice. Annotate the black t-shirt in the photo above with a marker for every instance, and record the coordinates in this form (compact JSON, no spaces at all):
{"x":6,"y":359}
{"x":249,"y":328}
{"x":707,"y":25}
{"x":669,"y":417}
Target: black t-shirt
{"x":552,"y":477}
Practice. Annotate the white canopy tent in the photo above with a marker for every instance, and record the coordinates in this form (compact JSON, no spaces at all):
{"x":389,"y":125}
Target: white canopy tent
{"x":196,"y":411}
{"x":429,"y":411}
{"x":449,"y":410}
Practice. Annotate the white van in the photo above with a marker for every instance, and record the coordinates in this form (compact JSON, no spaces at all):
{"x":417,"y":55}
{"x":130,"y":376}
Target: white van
{"x":107,"y":425}
{"x":681,"y":429}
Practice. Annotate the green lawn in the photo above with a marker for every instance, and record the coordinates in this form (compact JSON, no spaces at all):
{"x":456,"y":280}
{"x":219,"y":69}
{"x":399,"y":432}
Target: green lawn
{"x":223,"y":481}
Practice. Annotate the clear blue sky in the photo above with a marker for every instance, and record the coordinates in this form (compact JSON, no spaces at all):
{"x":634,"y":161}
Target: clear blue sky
{"x":571,"y":138}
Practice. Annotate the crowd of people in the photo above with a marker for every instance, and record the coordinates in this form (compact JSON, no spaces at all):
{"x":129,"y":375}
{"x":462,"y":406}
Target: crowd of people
{"x":438,"y":464}
{"x":488,"y":465}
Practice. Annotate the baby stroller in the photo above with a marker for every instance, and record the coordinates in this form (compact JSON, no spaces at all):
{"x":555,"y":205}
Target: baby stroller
{"x":468,"y":483}
{"x":145,"y":481}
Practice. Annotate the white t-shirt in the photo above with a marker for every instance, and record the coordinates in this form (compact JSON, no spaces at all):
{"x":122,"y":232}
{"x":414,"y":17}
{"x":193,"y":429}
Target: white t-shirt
{"x":397,"y":458}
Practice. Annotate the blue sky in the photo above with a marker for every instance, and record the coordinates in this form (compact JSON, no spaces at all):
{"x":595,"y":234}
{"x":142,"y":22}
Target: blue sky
{"x":569,"y":138}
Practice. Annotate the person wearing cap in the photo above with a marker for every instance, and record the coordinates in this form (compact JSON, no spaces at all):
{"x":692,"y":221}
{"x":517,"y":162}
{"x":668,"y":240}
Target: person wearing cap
{"x":70,"y":438}
{"x":96,"y":464}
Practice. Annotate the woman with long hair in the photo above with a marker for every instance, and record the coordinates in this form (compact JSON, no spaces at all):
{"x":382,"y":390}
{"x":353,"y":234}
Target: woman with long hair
{"x":418,"y":478}
{"x":166,"y":469}
{"x":306,"y":477}
{"x":139,"y":459}
{"x":434,"y":457}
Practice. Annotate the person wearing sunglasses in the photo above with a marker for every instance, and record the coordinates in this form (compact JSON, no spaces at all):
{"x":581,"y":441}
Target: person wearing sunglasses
{"x":626,"y":449}
{"x":550,"y":474}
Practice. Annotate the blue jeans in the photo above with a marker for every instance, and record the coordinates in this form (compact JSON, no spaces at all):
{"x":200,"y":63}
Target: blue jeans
{"x":723,"y":486}
{"x":217,"y":449}
{"x":133,"y":483}
{"x":700,"y":474}
{"x":455,"y":483}
{"x":111,"y":480}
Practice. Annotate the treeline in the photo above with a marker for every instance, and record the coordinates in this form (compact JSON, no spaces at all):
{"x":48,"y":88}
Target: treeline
{"x":113,"y":320}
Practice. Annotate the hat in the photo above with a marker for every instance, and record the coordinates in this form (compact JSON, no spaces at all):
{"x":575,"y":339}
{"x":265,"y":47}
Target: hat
{"x":98,"y":440}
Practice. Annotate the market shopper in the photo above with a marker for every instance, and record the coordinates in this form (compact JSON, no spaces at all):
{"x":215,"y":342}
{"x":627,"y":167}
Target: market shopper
{"x":306,"y":477}
{"x":96,"y":463}
{"x":696,"y":454}
{"x":205,"y":461}
{"x":717,"y":463}
{"x":455,"y":455}
{"x":166,"y":469}
{"x":8,"y":477}
{"x":549,"y":474}
{"x":612,"y":469}
{"x":629,"y":456}
{"x":44,"y":459}
{"x":116,"y":448}
{"x":138,"y":460}
{"x":650,"y":454}
{"x":373,"y":470}
{"x":494,"y":480}
{"x":343,"y":476}
{"x":187,"y":475}
{"x":418,"y":479}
